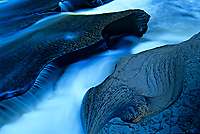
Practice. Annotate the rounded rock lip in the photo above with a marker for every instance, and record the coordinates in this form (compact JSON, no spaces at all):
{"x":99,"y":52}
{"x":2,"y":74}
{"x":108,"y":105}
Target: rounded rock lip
{"x":115,"y":96}
{"x":20,"y":90}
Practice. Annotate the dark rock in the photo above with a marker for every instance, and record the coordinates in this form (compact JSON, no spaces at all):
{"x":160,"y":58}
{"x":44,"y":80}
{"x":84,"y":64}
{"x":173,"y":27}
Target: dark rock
{"x":69,"y":37}
{"x":145,"y":84}
{"x":165,"y":128}
{"x":176,"y":129}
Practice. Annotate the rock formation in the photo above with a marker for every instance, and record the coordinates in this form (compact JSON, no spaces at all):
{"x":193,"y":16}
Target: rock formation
{"x":68,"y":35}
{"x":145,"y":84}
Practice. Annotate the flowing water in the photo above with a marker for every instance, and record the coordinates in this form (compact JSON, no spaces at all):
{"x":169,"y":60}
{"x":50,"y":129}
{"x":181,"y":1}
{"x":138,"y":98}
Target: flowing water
{"x":172,"y":21}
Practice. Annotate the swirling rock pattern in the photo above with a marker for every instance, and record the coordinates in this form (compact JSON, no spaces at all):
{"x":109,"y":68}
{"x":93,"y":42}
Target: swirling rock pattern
{"x":142,"y":86}
{"x":25,"y":54}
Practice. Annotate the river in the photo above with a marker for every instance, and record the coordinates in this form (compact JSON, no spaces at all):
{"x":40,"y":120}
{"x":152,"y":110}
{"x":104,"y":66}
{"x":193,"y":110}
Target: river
{"x":171,"y":22}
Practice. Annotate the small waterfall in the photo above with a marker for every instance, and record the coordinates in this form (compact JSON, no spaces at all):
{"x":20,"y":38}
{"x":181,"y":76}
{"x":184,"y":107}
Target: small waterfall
{"x":12,"y":108}
{"x":60,"y":107}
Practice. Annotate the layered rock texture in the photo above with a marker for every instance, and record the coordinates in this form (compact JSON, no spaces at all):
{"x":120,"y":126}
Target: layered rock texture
{"x":153,"y":91}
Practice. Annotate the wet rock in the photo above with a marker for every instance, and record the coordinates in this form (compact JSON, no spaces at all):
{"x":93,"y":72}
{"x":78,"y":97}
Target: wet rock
{"x":173,"y":121}
{"x":66,"y":37}
{"x":145,"y":84}
{"x":165,"y":128}
{"x":156,"y":126}
{"x":176,"y":129}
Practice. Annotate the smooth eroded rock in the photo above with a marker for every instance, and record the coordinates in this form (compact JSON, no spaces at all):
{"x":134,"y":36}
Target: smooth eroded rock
{"x":142,"y":86}
{"x":66,"y":37}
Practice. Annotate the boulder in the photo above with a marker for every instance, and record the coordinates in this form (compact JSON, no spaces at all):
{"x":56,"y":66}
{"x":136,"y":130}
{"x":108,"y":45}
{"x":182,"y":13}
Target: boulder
{"x":142,"y":86}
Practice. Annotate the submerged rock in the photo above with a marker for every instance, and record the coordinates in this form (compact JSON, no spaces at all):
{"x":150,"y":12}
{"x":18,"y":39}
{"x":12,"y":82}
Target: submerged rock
{"x":66,"y":37}
{"x":142,"y":86}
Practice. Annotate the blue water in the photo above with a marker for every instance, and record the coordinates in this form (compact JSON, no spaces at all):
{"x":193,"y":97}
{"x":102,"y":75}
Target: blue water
{"x":172,"y":21}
